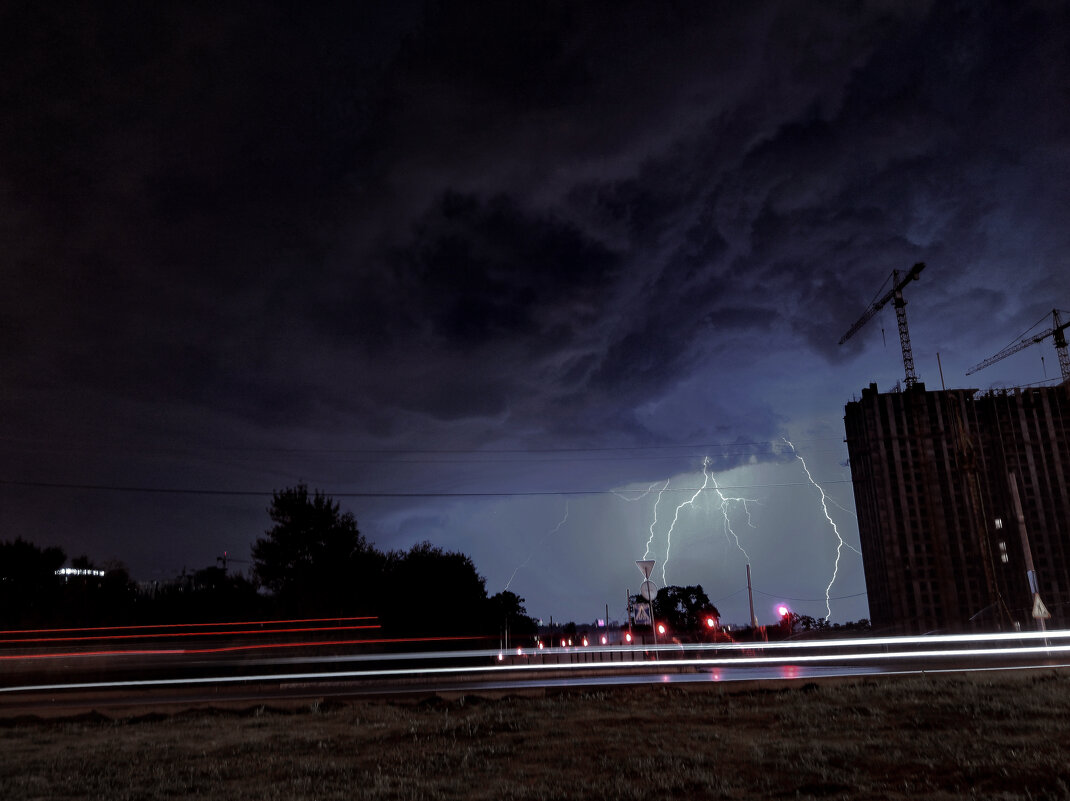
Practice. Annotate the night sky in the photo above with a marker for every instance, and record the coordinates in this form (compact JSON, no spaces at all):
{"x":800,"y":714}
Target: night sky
{"x":489,"y":272}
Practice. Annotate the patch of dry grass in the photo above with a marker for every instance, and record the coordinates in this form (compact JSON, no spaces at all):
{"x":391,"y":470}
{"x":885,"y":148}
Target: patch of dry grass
{"x":942,"y":737}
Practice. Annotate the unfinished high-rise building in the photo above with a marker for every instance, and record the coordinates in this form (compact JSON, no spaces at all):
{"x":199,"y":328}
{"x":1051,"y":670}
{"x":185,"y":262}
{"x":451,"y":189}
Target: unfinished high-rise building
{"x":939,"y":479}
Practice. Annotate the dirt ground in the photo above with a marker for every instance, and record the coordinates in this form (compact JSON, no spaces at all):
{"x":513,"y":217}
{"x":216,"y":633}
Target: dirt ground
{"x":1003,"y":736}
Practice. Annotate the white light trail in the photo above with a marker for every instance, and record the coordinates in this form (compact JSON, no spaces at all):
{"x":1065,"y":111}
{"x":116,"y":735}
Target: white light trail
{"x":885,"y":649}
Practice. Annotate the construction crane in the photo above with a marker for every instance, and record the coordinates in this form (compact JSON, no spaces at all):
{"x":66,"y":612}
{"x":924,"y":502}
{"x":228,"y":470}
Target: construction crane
{"x":895,"y":292}
{"x":1056,"y":332}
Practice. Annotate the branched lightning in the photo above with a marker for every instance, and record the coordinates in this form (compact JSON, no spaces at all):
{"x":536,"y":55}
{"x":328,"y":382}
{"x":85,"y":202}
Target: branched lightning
{"x":709,"y":482}
{"x":642,"y":494}
{"x":728,"y":530}
{"x":841,"y":544}
{"x":545,"y":536}
{"x":851,"y":512}
{"x":844,"y":508}
{"x":654,"y":522}
{"x":676,"y":516}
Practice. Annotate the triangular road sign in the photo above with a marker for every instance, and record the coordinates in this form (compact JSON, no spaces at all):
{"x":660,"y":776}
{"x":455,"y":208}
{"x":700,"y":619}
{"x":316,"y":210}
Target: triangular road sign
{"x":645,"y":565}
{"x":1040,"y":612}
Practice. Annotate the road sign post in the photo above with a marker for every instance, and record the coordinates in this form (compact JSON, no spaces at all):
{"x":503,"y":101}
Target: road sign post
{"x":648,"y":590}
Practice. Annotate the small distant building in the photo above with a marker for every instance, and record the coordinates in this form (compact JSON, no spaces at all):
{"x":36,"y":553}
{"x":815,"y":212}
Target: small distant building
{"x":67,"y":573}
{"x":942,"y":547}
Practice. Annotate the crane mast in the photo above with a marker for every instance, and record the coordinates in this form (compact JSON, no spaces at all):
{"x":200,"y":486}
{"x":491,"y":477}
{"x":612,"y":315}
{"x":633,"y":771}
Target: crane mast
{"x":1055,"y":332}
{"x":895,"y":294}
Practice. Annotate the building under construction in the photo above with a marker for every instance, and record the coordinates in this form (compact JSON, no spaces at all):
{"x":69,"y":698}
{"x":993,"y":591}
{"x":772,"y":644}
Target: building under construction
{"x":963,"y":503}
{"x":962,"y":498}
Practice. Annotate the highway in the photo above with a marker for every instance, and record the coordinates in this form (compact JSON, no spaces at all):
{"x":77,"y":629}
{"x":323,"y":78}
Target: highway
{"x":64,"y":671}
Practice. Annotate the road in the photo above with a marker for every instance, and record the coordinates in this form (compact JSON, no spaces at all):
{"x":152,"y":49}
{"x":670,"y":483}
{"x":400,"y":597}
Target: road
{"x":65,"y":676}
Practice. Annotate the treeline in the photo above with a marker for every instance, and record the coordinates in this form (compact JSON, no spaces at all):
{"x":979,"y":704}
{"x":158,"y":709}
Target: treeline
{"x":312,"y":562}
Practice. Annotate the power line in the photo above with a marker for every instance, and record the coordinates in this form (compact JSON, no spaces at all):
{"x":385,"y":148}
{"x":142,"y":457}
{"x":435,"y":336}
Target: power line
{"x":811,"y":600}
{"x":83,"y":446}
{"x":370,"y":494}
{"x":782,"y":598}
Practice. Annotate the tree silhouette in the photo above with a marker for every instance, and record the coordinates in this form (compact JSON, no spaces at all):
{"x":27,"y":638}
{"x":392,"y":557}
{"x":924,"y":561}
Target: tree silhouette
{"x":314,"y":559}
{"x":29,"y":587}
{"x":506,"y":611}
{"x":427,"y":590}
{"x":683,"y":608}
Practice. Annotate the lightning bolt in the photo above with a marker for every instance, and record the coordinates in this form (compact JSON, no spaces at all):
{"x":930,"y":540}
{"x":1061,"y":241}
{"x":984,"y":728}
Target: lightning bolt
{"x":642,"y":494}
{"x":654,"y":522}
{"x":725,"y":505}
{"x":545,"y":537}
{"x":676,"y":516}
{"x":728,"y":530}
{"x":841,"y":544}
{"x":851,"y":512}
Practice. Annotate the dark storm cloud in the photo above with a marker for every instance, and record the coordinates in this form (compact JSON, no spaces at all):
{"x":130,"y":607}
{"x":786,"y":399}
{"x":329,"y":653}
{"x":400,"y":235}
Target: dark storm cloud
{"x":175,"y":177}
{"x":766,"y":157}
{"x":485,"y":271}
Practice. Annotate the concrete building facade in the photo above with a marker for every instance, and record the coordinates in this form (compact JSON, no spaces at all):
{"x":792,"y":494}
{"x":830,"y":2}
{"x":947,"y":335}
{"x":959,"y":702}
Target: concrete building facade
{"x":942,"y":545}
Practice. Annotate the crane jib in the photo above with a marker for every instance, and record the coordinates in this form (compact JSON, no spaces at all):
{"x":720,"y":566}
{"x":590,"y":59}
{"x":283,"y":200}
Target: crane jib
{"x":901,"y":317}
{"x":1055,"y":332}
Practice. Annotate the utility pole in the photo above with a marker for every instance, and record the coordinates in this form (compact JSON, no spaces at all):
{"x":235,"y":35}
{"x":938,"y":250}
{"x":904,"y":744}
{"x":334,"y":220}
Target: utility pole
{"x":750,"y":597}
{"x":1040,"y":612}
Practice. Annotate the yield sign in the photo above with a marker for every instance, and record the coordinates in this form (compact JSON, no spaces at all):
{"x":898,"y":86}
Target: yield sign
{"x":1040,"y":612}
{"x":646,"y":565}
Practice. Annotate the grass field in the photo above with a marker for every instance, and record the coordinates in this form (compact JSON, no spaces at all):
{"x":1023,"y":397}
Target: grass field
{"x":1000,"y":736}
